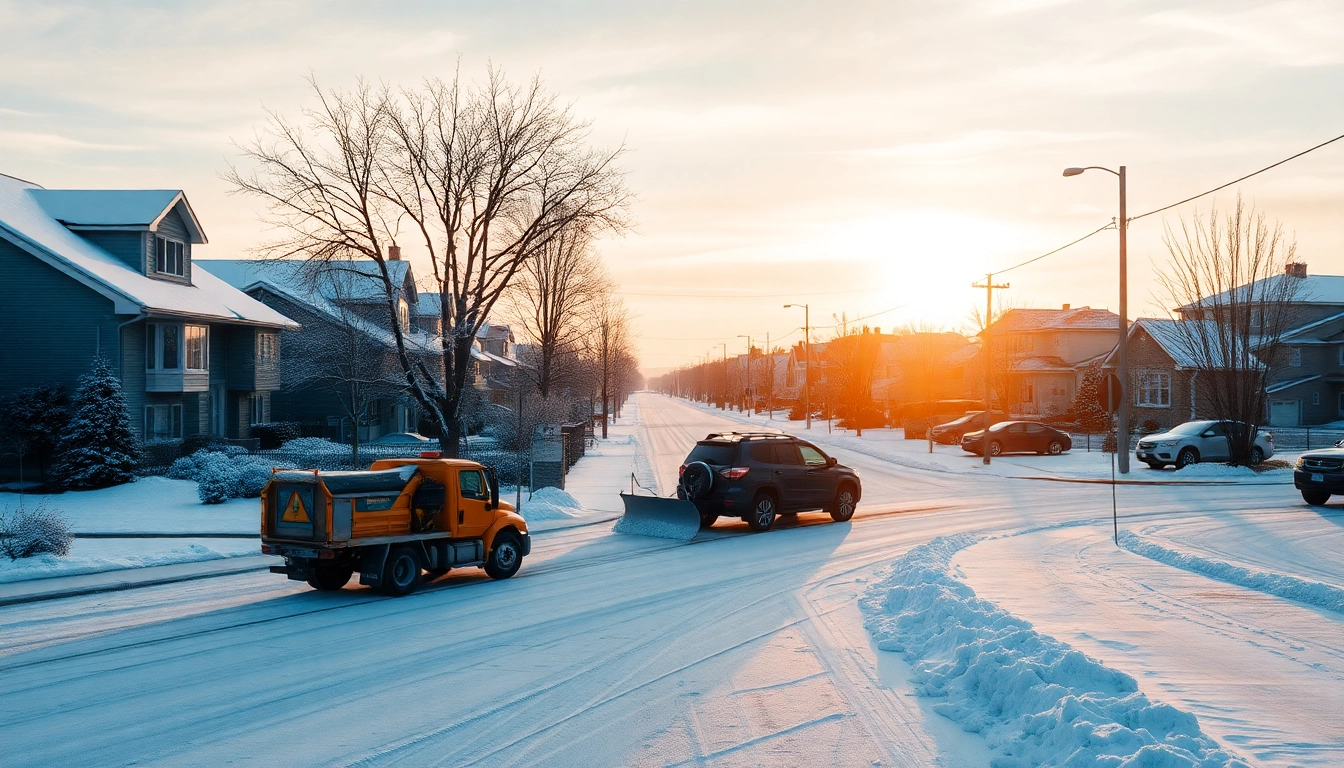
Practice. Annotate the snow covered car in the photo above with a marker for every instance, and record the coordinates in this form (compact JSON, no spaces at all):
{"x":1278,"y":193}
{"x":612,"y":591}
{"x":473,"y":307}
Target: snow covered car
{"x":1196,"y":441}
{"x":1320,"y":474}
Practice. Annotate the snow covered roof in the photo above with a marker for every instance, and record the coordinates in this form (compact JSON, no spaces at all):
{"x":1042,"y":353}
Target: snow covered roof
{"x":429,"y":305}
{"x":1189,"y":343}
{"x":1279,"y":386}
{"x":1082,"y":318}
{"x":25,"y":222}
{"x":1295,"y":332}
{"x":494,"y":331}
{"x":117,"y":208}
{"x":1041,"y":364}
{"x":1312,"y":289}
{"x":294,"y":280}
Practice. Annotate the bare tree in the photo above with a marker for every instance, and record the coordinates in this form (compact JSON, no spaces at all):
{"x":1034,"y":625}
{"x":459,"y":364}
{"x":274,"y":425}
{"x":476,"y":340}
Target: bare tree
{"x":1230,"y":277}
{"x":485,"y":175}
{"x":609,"y":342}
{"x":553,"y":299}
{"x":343,"y":355}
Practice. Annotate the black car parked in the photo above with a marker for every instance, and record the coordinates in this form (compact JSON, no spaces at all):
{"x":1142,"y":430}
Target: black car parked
{"x":759,"y":475}
{"x":1018,"y":437}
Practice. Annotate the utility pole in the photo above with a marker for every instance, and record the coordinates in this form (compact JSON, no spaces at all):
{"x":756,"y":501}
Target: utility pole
{"x":989,"y":287}
{"x":1122,"y":441}
{"x":770,"y":392}
{"x":807,"y":364}
{"x":747,"y":389}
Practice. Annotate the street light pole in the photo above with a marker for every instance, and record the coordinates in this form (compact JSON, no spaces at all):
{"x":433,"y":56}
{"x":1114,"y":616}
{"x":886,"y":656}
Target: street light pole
{"x":807,"y":363}
{"x":1122,"y":346}
{"x":723,"y":403}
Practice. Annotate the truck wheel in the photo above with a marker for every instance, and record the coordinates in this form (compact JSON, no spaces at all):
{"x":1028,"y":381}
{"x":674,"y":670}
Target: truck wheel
{"x":1315,"y":498}
{"x":401,"y":574}
{"x":505,"y":557}
{"x":330,"y":578}
{"x":762,"y":514}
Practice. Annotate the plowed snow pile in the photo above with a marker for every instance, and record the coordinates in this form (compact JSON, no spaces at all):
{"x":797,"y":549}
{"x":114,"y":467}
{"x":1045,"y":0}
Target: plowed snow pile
{"x":1037,"y":701}
{"x":550,"y":504}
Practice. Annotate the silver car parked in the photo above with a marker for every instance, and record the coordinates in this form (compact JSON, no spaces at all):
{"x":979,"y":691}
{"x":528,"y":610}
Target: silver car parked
{"x":1196,"y":441}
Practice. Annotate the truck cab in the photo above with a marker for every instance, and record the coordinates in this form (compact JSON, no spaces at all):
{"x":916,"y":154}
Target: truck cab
{"x":393,"y":523}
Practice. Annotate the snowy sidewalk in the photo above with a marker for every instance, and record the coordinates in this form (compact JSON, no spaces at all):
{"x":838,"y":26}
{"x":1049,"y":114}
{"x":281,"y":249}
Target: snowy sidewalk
{"x":597,"y":480}
{"x":128,"y":578}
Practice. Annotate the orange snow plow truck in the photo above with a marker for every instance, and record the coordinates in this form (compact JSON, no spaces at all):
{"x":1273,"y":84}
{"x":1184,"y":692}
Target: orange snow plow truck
{"x":392,"y":523}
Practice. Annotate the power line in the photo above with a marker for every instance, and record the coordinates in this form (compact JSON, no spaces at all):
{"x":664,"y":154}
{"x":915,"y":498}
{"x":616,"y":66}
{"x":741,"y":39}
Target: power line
{"x":1057,"y":250}
{"x":1236,"y":181}
{"x":745,"y":296}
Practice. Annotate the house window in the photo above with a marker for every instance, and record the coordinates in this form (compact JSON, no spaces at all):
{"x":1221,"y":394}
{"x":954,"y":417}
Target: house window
{"x":1341,"y":355}
{"x":256,"y":409}
{"x":1154,"y":389}
{"x":1057,"y":389}
{"x":404,"y":315}
{"x":163,"y":422}
{"x":1315,"y":398}
{"x":268,"y":350}
{"x":168,"y":256}
{"x":197,"y":347}
{"x":1028,"y":393}
{"x":1295,"y":357}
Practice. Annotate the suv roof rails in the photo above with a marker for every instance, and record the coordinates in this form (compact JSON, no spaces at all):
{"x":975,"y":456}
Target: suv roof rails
{"x":735,"y":435}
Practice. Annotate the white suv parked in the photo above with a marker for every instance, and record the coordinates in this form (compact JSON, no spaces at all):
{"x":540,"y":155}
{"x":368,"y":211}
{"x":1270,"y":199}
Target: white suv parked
{"x":1196,"y":441}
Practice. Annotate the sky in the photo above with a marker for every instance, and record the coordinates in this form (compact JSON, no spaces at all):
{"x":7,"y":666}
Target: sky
{"x":872,"y":160}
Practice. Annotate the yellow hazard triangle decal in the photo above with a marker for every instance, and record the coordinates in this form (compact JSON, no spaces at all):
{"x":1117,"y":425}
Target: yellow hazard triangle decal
{"x":295,"y":512}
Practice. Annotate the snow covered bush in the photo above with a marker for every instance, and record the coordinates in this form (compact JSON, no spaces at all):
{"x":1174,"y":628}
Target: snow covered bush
{"x":184,"y":468}
{"x":218,"y":479}
{"x":26,"y":532}
{"x":314,"y":445}
{"x":98,"y":449}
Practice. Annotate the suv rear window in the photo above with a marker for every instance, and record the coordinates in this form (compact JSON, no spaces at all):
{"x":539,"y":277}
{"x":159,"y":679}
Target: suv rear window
{"x":713,"y":453}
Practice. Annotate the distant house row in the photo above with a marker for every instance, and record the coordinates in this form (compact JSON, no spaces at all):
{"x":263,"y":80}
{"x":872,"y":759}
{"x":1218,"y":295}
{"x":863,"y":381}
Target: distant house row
{"x":199,"y":345}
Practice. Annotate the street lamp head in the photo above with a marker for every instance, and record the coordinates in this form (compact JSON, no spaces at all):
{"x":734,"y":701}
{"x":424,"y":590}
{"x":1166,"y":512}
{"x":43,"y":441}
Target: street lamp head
{"x":1073,"y":171}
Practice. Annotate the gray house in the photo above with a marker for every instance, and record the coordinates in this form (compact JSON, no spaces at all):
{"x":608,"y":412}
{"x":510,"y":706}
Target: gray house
{"x":88,"y":272}
{"x":344,"y":366}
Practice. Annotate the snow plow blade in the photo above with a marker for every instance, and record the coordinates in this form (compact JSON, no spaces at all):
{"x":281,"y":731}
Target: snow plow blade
{"x":656,"y":516}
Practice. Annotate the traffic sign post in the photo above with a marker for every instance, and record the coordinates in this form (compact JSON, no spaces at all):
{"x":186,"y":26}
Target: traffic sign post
{"x":1110,"y":394}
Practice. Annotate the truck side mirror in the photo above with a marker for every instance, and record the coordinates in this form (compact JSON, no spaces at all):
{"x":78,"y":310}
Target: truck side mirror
{"x":494,"y":488}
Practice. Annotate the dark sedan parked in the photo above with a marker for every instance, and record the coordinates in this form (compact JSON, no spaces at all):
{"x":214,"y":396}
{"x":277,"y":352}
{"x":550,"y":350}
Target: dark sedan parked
{"x":1018,"y":437}
{"x":951,"y":432}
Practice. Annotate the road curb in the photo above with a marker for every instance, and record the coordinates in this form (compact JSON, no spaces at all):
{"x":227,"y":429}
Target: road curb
{"x":122,"y":585}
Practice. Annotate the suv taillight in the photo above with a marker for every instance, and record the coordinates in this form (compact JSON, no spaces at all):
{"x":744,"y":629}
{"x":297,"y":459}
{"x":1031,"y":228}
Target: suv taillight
{"x":734,"y":473}
{"x":1269,"y":436}
{"x":681,"y":470}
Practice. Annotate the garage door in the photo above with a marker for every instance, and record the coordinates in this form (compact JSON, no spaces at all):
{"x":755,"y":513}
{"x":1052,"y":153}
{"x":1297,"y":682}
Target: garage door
{"x":1285,"y":413}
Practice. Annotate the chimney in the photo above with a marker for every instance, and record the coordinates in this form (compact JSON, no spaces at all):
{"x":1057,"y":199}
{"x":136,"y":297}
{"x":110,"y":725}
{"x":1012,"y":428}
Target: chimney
{"x":1296,"y":268}
{"x":1066,"y":306}
{"x":394,"y":252}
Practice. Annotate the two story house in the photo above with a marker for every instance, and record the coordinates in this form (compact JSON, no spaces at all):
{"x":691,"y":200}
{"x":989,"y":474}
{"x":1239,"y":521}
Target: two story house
{"x":344,"y":374}
{"x":1040,"y":354}
{"x":112,"y":272}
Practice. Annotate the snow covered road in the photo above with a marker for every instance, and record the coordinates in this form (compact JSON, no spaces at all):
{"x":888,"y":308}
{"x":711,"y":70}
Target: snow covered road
{"x":732,"y":649}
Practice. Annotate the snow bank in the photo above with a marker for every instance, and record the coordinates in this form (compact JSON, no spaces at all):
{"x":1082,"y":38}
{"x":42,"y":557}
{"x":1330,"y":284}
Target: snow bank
{"x":48,"y":566}
{"x":148,"y":505}
{"x":1278,"y":584}
{"x":550,"y":504}
{"x":1037,"y":701}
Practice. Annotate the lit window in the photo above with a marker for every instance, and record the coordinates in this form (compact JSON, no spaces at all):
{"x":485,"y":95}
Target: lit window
{"x":256,"y":409}
{"x":163,"y":422}
{"x":168,"y":256}
{"x":1154,"y":389}
{"x":197,"y":347}
{"x":404,"y":315}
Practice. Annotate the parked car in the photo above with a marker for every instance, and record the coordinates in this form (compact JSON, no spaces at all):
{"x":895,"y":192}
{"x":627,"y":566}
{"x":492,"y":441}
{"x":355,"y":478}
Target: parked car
{"x":759,"y":475}
{"x":1018,"y":437}
{"x":1196,"y":441}
{"x":403,"y":439}
{"x":1320,"y":473}
{"x":950,"y":433}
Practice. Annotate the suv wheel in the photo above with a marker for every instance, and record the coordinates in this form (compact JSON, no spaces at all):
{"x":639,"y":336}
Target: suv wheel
{"x":1257,"y":455}
{"x":1315,"y":498}
{"x":843,"y":508}
{"x":762,"y":515}
{"x":1186,"y":457}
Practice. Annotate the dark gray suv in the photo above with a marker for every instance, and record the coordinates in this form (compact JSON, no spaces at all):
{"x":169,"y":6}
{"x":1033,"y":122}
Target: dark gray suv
{"x":759,"y":475}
